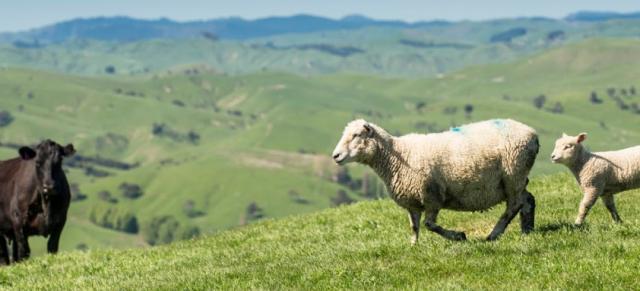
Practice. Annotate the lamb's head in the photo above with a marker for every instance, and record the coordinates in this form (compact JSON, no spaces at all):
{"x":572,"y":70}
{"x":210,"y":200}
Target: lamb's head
{"x":568,"y":148}
{"x":357,"y":144}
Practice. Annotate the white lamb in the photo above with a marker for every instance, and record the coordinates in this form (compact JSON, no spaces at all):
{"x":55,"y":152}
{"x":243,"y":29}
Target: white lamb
{"x":599,"y":174}
{"x":469,"y":168}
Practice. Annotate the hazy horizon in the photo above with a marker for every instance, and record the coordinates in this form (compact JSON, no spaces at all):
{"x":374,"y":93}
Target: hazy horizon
{"x":29,"y":14}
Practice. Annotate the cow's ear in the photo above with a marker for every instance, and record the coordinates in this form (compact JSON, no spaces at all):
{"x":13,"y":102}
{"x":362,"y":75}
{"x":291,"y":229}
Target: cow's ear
{"x":27,"y":153}
{"x":68,"y":150}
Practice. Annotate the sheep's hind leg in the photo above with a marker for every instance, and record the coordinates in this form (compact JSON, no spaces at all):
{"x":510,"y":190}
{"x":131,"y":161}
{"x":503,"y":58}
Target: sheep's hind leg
{"x":527,"y":212}
{"x":414,"y":219}
{"x":430,"y":223}
{"x":513,"y":207}
{"x":611,"y":206}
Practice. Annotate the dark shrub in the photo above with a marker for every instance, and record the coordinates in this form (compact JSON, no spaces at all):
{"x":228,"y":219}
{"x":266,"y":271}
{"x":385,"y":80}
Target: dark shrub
{"x":166,"y":229}
{"x":341,"y":198}
{"x":5,"y":118}
{"x":131,"y":191}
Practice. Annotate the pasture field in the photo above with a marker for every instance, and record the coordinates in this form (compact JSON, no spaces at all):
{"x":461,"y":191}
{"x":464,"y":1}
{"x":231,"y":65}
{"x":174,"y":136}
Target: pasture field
{"x":215,"y":151}
{"x":366,"y":246}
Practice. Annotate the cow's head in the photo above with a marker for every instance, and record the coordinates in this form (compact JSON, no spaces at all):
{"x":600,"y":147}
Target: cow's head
{"x":48,"y":157}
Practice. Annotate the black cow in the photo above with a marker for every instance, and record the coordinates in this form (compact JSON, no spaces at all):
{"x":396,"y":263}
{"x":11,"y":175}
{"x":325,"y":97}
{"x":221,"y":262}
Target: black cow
{"x":34,"y":197}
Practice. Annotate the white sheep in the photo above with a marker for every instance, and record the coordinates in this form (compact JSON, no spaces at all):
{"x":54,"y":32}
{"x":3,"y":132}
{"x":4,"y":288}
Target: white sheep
{"x":469,"y":168}
{"x":599,"y":174}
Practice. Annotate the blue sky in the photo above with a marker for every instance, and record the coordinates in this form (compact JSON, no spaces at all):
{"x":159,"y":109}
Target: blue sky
{"x":24,"y":14}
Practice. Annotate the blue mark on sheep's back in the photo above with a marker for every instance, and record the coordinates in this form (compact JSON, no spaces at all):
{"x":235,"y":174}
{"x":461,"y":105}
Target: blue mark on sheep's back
{"x":456,"y":129}
{"x":499,"y":123}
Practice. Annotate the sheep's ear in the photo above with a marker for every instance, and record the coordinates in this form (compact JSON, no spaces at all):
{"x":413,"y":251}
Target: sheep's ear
{"x":582,"y":137}
{"x":564,"y":134}
{"x":368,"y":129}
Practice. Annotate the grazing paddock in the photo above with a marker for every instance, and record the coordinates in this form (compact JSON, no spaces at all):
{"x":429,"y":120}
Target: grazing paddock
{"x":365,"y":245}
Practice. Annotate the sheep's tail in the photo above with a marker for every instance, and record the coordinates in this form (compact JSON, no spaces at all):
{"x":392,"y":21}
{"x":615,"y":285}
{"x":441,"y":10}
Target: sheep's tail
{"x":533,"y":148}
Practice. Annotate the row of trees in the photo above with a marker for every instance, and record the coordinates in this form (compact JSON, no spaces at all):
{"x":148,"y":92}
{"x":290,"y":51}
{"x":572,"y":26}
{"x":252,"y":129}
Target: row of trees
{"x":540,"y":101}
{"x":114,"y":218}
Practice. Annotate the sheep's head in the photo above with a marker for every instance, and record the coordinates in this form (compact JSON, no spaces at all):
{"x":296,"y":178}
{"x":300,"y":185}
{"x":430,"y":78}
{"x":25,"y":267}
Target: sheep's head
{"x":357,"y":143}
{"x":568,"y":148}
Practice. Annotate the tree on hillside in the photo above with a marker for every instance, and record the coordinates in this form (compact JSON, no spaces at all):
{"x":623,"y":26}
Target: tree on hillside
{"x":5,"y":118}
{"x":166,"y":229}
{"x":252,"y":212}
{"x":468,"y":109}
{"x":594,"y":98}
{"x":341,"y":198}
{"x":110,"y":69}
{"x":557,"y":108}
{"x":106,"y":196}
{"x":130,"y":190}
{"x":342,"y":176}
{"x":189,"y":209}
{"x":538,"y":102}
{"x":297,"y":198}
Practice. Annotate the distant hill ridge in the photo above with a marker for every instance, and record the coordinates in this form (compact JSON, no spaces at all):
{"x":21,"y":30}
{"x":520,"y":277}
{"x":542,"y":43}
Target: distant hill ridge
{"x":126,"y":29}
{"x":130,"y":29}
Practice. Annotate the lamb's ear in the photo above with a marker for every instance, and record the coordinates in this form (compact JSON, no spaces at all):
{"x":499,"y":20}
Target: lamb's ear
{"x":564,"y":134}
{"x":582,"y":137}
{"x":68,"y":150}
{"x":27,"y":153}
{"x":368,"y":129}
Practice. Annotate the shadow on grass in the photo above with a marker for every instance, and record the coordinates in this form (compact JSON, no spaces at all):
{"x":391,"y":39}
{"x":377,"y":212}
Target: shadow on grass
{"x":560,"y":226}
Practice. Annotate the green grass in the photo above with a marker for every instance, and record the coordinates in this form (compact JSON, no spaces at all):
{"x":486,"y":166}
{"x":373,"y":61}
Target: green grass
{"x":366,"y":246}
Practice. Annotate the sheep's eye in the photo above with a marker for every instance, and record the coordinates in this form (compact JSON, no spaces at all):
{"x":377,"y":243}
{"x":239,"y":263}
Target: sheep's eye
{"x":355,"y":135}
{"x":566,"y":147}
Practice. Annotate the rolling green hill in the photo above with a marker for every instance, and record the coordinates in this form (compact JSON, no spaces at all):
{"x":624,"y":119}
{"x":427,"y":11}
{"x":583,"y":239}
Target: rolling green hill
{"x":215,"y":151}
{"x":388,"y":51}
{"x":366,"y":246}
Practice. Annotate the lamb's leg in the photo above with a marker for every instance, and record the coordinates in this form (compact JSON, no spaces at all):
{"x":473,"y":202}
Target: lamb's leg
{"x":430,"y":223}
{"x":589,"y":198}
{"x":414,"y":219}
{"x":527,"y":212}
{"x":611,"y":206}
{"x":514,"y":204}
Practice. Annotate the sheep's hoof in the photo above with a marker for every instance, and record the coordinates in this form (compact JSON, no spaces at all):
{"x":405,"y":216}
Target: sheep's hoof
{"x":458,"y":236}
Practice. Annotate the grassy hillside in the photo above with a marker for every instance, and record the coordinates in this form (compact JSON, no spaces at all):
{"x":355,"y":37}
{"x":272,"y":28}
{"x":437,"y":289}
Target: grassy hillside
{"x":215,"y":151}
{"x":389,"y":51}
{"x":367,"y":245}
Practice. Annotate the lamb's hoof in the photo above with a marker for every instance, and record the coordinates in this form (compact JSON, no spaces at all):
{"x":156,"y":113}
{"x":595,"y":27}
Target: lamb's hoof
{"x":458,"y":236}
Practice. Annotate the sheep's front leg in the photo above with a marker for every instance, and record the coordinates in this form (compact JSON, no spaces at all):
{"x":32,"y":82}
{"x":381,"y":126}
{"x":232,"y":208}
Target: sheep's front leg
{"x":414,"y":219}
{"x":430,"y":223}
{"x":611,"y":206}
{"x":589,"y":198}
{"x":513,"y":207}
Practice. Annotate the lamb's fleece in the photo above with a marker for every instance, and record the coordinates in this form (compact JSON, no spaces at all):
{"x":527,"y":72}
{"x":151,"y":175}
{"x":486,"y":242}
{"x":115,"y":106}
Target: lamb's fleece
{"x":599,"y":174}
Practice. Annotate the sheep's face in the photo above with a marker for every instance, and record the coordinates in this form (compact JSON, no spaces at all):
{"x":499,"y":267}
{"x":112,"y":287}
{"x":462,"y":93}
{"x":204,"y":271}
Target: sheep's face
{"x":567,"y":148}
{"x":357,"y":143}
